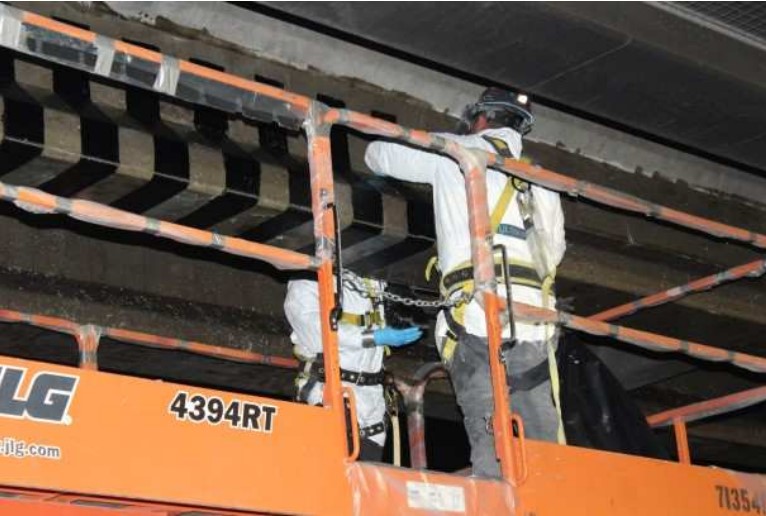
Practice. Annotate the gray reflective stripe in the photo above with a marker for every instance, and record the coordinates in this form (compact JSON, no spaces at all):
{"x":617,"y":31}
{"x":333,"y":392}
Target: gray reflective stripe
{"x":512,"y":231}
{"x":167,"y":78}
{"x":105,"y":55}
{"x":10,"y":26}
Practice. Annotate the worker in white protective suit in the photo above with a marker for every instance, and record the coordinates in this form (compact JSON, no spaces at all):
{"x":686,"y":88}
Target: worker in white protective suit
{"x":528,"y":222}
{"x":362,"y":338}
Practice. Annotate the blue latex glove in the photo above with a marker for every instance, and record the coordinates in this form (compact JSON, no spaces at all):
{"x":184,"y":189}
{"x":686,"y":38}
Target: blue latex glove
{"x":396,"y":337}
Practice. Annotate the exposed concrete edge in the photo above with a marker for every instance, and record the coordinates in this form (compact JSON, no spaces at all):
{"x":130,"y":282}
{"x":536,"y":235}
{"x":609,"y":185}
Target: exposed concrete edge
{"x":304,"y":49}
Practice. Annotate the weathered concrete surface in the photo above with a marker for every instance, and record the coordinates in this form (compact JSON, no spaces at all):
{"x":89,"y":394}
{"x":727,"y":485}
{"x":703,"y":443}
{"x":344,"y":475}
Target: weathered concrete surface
{"x":303,"y":48}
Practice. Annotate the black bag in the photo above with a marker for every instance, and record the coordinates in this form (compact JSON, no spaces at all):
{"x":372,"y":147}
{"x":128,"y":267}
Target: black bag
{"x":597,"y":411}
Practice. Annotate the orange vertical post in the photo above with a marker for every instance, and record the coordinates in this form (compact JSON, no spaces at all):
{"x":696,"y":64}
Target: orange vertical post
{"x":474,"y":168}
{"x":88,"y":338}
{"x":682,"y":441}
{"x":322,"y":201}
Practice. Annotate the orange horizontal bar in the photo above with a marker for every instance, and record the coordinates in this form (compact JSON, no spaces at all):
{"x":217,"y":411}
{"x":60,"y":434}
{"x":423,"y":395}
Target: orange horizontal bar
{"x":39,"y":202}
{"x":299,"y":102}
{"x":752,"y":269}
{"x":709,"y":408}
{"x":199,"y":348}
{"x":642,"y":339}
{"x":550,"y":179}
{"x":57,"y":26}
{"x":136,"y":51}
{"x":42,"y":321}
{"x":149,"y":340}
{"x":623,"y":201}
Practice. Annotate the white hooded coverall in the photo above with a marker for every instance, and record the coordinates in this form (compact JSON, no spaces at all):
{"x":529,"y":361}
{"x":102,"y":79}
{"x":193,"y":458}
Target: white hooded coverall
{"x":302,"y":311}
{"x":454,"y":248}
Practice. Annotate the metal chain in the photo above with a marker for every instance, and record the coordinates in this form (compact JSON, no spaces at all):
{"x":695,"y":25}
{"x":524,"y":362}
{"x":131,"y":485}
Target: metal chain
{"x":404,"y":300}
{"x":424,"y":303}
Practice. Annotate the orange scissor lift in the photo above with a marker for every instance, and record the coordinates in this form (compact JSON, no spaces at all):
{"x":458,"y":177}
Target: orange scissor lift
{"x":96,"y":443}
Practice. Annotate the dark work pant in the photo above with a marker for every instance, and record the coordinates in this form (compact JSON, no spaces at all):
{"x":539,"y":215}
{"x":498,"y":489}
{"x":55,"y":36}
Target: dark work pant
{"x":370,"y":451}
{"x":470,"y":375}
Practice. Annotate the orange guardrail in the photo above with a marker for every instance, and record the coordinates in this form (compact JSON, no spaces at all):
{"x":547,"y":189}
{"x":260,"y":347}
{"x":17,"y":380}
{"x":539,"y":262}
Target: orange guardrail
{"x":83,"y":332}
{"x":754,"y":269}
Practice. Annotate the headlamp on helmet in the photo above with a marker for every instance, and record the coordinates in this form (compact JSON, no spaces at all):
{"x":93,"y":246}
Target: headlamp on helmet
{"x":502,"y":108}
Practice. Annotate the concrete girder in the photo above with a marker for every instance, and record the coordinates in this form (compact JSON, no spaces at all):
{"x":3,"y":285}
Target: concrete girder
{"x":61,"y":149}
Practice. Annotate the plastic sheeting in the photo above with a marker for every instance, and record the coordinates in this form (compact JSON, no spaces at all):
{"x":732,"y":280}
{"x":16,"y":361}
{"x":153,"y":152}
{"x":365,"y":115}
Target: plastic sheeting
{"x":145,"y":69}
{"x":598,"y":412}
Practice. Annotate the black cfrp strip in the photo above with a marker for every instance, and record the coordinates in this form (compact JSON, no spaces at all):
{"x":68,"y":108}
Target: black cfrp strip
{"x":171,"y":157}
{"x":98,"y":137}
{"x":241,"y":194}
{"x":23,"y":119}
{"x":273,"y":140}
{"x":366,"y":201}
{"x":22,"y":122}
{"x":420,"y":225}
{"x":410,"y":246}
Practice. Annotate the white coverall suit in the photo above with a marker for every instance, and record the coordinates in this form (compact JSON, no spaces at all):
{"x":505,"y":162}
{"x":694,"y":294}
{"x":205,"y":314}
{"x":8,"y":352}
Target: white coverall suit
{"x":472,"y":386}
{"x":302,"y":311}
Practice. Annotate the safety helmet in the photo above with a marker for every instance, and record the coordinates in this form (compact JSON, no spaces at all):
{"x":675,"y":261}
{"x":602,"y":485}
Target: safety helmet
{"x":503,"y":107}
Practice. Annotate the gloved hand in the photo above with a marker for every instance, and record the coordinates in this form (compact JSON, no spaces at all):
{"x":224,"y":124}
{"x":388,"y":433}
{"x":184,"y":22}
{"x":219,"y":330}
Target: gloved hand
{"x":396,"y":337}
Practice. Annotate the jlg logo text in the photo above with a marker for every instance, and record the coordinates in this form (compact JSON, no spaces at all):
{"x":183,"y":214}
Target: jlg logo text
{"x":47,"y":398}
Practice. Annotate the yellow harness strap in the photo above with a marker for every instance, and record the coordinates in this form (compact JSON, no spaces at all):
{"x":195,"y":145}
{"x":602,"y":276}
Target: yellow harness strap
{"x":553,"y":367}
{"x":367,"y":319}
{"x":446,"y":291}
{"x":467,"y":286}
{"x":433,"y":263}
{"x":363,"y":320}
{"x":458,"y":314}
{"x":506,"y":196}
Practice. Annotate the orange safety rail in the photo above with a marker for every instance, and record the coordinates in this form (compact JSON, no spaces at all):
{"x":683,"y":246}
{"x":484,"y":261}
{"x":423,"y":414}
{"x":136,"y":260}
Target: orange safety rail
{"x":37,"y":201}
{"x":485,"y":285}
{"x":325,"y":226}
{"x":288,"y":453}
{"x":709,"y":408}
{"x":679,"y":417}
{"x":623,"y":201}
{"x":553,"y":180}
{"x":84,"y":331}
{"x":682,"y":441}
{"x":180,"y":451}
{"x":753,"y":269}
{"x":641,"y":339}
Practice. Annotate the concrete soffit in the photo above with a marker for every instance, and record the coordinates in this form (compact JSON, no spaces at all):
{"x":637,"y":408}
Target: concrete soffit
{"x":304,"y":49}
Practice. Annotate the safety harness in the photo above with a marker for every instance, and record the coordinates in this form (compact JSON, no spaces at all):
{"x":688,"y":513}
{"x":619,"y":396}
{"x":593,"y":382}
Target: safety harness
{"x":460,"y":280}
{"x":313,"y":370}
